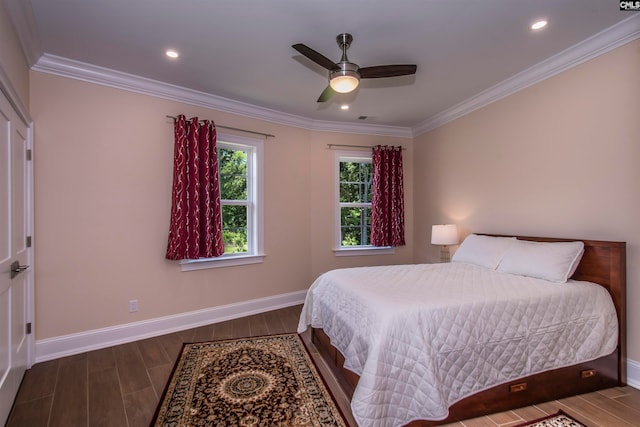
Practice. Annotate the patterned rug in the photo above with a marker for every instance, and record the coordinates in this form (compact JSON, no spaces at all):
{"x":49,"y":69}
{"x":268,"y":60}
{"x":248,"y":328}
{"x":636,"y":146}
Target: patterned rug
{"x":262,"y":381}
{"x":561,"y":419}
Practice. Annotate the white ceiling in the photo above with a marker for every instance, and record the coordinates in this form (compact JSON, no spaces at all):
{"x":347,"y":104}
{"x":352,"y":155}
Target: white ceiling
{"x":241,"y":49}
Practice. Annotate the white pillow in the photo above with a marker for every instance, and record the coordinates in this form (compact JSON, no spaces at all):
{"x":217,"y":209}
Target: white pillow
{"x":553,"y":261}
{"x":485,"y":251}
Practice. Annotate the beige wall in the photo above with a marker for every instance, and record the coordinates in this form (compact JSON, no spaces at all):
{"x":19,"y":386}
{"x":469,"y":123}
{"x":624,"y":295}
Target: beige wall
{"x":12,"y":60}
{"x":560,"y":158}
{"x":323,"y":207}
{"x":103,"y":170}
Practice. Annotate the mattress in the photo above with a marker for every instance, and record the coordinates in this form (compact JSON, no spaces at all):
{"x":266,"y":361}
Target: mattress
{"x":422,"y":337}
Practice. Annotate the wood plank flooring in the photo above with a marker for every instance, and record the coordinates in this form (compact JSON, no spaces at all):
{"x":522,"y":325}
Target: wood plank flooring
{"x":121,"y":386}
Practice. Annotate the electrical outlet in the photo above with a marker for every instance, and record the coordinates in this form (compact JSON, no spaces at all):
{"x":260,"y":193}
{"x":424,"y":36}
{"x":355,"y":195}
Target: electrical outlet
{"x":133,"y":305}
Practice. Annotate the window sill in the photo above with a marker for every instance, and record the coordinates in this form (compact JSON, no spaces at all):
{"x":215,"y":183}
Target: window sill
{"x":224,"y":261}
{"x":364,"y":250}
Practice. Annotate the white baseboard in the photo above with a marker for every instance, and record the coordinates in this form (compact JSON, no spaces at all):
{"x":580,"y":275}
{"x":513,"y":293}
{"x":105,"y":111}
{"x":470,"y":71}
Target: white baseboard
{"x":67,"y":345}
{"x":633,"y":373}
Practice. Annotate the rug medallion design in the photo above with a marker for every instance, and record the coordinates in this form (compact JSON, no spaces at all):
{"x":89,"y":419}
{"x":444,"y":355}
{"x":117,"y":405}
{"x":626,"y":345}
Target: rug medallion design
{"x":262,"y":381}
{"x":561,"y":419}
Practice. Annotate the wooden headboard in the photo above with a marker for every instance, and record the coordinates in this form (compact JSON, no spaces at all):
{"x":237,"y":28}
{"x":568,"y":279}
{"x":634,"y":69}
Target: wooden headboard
{"x":604,"y":263}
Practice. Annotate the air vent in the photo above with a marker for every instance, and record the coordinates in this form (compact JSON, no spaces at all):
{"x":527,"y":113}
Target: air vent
{"x":363,"y":117}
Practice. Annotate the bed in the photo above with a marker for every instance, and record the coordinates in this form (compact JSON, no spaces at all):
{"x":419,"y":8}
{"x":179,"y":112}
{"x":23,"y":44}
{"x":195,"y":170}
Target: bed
{"x":491,"y":350}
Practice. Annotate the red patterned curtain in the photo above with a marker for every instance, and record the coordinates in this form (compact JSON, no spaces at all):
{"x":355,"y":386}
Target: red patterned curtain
{"x":387,"y":204}
{"x":196,"y":216}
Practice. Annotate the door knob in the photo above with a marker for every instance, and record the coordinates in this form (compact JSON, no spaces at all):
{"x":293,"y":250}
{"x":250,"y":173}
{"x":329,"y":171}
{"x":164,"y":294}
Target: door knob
{"x":16,"y":268}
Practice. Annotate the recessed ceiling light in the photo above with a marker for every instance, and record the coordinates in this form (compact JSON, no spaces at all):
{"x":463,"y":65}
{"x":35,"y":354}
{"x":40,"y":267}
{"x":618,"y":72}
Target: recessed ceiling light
{"x":539,"y":24}
{"x":172,"y":53}
{"x":344,"y":107}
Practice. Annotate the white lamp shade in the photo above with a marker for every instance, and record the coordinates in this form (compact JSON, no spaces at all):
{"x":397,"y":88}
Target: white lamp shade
{"x":444,"y":234}
{"x":345,"y":79}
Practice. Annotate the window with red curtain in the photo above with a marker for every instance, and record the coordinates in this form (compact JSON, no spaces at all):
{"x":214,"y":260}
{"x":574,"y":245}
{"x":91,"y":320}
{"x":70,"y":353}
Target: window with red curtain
{"x":196,"y":221}
{"x":387,"y":203}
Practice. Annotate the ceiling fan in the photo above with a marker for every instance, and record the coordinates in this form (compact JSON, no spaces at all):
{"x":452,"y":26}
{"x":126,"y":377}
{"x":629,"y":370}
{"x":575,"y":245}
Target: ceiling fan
{"x":344,"y":76}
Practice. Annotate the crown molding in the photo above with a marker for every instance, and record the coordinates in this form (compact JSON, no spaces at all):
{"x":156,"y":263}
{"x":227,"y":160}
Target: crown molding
{"x":116,"y":79}
{"x":107,"y":77}
{"x":367,"y":129}
{"x":603,"y":42}
{"x":611,"y":38}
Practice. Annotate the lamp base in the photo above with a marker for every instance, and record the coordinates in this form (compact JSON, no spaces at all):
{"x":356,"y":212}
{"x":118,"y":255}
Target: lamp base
{"x":444,"y":254}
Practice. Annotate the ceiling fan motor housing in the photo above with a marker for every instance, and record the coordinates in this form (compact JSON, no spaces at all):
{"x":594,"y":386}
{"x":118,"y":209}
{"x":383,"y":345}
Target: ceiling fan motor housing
{"x":344,"y":40}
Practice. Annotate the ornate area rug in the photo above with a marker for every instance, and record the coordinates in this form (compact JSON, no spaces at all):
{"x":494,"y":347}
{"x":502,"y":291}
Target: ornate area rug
{"x":561,"y":419}
{"x":262,"y":381}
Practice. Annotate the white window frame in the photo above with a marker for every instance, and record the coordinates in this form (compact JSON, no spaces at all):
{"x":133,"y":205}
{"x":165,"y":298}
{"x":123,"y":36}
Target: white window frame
{"x":255,"y":207}
{"x":339,"y":250}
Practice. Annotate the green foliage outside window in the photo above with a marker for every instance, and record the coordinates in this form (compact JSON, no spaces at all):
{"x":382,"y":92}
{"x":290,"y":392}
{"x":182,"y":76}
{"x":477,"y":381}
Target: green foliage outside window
{"x":355,"y":202}
{"x":233,"y":193}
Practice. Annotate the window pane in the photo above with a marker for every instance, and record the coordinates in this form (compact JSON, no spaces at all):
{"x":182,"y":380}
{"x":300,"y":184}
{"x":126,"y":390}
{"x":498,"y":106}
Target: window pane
{"x":233,"y":174}
{"x":234,"y":229}
{"x":355,"y":182}
{"x":350,"y":192}
{"x":355,"y":226}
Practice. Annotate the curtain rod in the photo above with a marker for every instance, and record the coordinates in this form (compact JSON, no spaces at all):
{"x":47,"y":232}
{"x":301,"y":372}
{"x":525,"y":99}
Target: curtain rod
{"x":362,"y":147}
{"x":266,"y":135}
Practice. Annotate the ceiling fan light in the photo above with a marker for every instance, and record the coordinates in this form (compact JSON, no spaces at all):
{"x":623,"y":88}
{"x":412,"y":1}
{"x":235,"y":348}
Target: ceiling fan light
{"x":344,"y":84}
{"x":344,"y":81}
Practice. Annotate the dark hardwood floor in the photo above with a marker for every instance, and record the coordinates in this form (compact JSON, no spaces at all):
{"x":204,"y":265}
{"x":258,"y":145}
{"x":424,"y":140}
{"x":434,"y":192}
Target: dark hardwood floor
{"x":121,"y":386}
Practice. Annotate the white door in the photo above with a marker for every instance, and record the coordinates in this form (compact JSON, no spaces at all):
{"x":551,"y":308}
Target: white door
{"x":15,"y":254}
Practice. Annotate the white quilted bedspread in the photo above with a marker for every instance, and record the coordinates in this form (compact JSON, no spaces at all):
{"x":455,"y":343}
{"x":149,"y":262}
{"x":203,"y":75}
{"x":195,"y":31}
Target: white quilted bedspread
{"x":424,"y":336}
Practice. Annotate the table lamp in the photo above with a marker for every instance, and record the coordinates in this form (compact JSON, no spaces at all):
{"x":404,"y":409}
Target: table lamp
{"x":444,"y":235}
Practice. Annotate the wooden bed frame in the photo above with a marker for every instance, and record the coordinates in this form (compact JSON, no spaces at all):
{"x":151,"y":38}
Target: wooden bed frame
{"x":604,"y":263}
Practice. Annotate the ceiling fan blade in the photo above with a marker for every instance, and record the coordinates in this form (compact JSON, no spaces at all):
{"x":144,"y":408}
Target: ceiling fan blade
{"x":316,"y":57}
{"x":387,"y":71}
{"x":326,"y":94}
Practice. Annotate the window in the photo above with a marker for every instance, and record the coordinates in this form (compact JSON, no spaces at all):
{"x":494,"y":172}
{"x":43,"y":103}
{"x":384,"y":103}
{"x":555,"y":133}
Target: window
{"x":240,"y":169}
{"x":355,"y":200}
{"x":235,"y":190}
{"x":354,"y":176}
